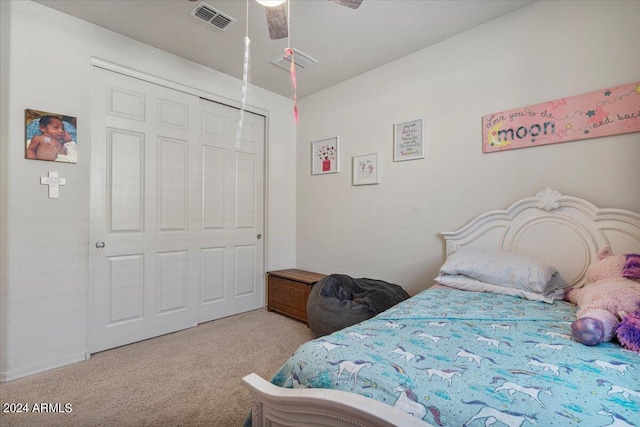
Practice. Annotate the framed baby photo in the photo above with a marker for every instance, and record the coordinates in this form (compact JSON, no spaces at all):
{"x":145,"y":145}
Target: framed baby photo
{"x":50,"y":136}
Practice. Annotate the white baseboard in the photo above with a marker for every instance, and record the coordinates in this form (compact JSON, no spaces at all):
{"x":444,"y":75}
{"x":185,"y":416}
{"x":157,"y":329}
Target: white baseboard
{"x":25,"y":372}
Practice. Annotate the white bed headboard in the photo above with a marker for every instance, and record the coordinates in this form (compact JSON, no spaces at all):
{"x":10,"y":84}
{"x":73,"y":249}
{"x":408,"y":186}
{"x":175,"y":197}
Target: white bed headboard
{"x":563,"y":231}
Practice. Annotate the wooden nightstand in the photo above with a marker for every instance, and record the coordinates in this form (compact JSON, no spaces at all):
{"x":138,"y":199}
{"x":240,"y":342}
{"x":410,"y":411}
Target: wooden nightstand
{"x":289,"y":290}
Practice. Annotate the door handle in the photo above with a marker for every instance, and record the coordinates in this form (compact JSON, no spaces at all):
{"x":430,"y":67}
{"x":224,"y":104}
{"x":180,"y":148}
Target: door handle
{"x":100,"y":245}
{"x":259,"y":236}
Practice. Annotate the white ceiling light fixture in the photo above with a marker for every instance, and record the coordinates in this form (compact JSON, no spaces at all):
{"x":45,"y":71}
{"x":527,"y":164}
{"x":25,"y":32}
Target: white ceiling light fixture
{"x":271,"y":3}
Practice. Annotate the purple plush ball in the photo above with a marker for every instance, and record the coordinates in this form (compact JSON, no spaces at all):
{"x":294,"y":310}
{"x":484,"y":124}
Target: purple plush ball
{"x":588,"y":331}
{"x":628,"y":331}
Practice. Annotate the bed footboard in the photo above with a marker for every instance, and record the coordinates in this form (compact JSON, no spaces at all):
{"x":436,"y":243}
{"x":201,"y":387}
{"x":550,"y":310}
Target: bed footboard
{"x":276,"y":406}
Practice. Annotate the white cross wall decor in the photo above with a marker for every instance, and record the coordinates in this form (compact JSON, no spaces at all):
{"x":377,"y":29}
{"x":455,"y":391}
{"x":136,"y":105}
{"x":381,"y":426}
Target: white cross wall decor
{"x":53,"y":182}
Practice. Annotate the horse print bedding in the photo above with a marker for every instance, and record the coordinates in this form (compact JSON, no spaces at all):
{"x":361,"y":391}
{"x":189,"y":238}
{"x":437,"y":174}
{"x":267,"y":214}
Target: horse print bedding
{"x":456,"y":358}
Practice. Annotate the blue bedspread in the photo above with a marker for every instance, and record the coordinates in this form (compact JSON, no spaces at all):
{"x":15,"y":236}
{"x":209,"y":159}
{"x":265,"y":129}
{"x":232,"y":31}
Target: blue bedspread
{"x":455,"y":358}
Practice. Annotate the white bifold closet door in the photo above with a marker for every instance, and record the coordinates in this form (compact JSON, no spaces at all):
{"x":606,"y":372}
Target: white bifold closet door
{"x":176,"y":211}
{"x":232,"y":277}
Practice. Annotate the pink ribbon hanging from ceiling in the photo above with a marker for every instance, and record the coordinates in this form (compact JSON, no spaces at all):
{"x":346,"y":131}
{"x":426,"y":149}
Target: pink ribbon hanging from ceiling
{"x":288,"y":52}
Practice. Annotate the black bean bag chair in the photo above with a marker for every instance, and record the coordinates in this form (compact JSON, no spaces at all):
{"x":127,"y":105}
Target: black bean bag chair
{"x":338,"y":301}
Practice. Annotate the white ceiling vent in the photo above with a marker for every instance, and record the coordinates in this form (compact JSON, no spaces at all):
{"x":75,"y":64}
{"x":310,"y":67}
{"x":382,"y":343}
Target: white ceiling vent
{"x":213,"y":16}
{"x":302,"y":60}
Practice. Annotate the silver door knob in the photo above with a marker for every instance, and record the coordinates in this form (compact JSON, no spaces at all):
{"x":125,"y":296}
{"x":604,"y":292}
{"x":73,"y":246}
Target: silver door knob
{"x":100,"y":245}
{"x":259,"y":236}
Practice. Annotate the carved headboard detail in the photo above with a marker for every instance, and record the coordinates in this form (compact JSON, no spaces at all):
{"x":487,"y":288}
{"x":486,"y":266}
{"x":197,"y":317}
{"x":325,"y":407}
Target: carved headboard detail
{"x":564,"y":231}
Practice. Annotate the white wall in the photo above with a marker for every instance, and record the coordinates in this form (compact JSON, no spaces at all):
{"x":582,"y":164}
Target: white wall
{"x":4,"y":92}
{"x":44,"y":242}
{"x":549,"y":50}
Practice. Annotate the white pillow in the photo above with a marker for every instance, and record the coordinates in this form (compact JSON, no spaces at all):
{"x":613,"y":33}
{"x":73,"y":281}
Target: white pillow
{"x":502,"y":268}
{"x":465,"y":283}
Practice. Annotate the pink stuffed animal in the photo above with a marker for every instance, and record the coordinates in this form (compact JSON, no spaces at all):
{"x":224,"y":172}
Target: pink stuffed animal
{"x":612,"y":289}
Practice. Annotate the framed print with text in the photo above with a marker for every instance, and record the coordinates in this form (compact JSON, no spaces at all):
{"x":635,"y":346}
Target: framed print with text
{"x":408,"y":140}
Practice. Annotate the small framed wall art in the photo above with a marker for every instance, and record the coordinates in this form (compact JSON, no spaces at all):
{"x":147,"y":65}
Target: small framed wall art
{"x":366,"y":170}
{"x":50,"y":136}
{"x":325,"y":156}
{"x":408,"y":140}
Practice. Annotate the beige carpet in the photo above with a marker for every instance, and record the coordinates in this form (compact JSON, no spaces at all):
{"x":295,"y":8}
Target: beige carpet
{"x":188,"y":378}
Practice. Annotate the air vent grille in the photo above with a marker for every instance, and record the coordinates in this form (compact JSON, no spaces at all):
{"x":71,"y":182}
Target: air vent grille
{"x":212,"y":15}
{"x":302,"y":61}
{"x":221,"y":21}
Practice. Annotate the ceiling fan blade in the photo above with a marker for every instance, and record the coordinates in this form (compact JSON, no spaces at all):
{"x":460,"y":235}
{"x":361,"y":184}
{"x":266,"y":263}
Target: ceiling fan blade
{"x":277,"y":22}
{"x":353,"y":4}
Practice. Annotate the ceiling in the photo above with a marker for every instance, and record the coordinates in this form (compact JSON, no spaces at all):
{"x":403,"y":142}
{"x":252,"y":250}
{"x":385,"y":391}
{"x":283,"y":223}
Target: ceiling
{"x":346,"y":42}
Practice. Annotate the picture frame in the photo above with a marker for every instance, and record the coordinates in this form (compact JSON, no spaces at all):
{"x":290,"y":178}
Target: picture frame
{"x":366,"y":169}
{"x":408,"y":140}
{"x":50,"y":136}
{"x":325,"y":156}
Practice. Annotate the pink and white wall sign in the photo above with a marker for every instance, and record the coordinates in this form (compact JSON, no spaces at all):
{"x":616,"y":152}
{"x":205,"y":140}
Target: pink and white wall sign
{"x":605,"y":112}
